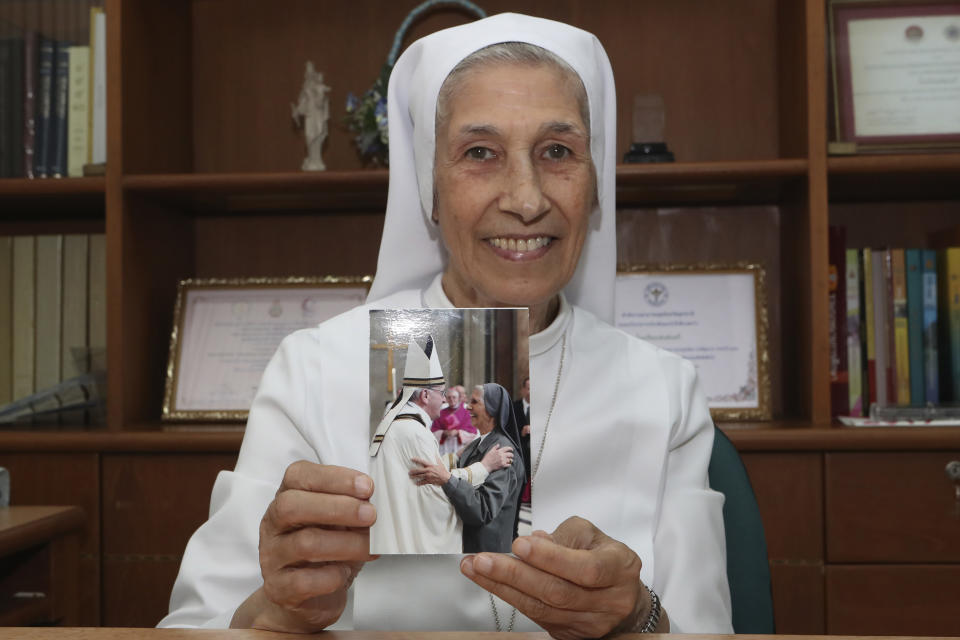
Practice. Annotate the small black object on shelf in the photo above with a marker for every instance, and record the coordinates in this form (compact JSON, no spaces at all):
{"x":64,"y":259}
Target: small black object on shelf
{"x":648,"y":152}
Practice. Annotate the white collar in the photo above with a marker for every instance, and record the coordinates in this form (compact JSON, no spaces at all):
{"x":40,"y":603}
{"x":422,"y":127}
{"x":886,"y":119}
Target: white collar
{"x":435,"y":298}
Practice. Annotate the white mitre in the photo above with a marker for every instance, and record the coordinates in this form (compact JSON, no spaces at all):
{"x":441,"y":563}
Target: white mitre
{"x":422,"y":369}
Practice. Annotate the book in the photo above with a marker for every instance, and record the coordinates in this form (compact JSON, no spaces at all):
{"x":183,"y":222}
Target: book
{"x":914,"y":274}
{"x":901,"y":328}
{"x":78,"y":132}
{"x":839,"y":393}
{"x":881,"y":344}
{"x":74,"y":359}
{"x":49,"y":294}
{"x":58,"y":113}
{"x":869,"y":338}
{"x":890,"y":327}
{"x":6,"y":104}
{"x":98,"y":92}
{"x":949,"y":276}
{"x":44,"y":105}
{"x":24,"y":261}
{"x":30,"y":52}
{"x":930,"y":346}
{"x":97,"y":302}
{"x":854,"y":358}
{"x":6,"y":320}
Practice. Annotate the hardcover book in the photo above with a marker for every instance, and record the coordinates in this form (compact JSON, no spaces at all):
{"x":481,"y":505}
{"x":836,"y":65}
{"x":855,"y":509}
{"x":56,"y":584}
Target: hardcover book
{"x":854,"y":357}
{"x":901,"y":325}
{"x":930,"y":328}
{"x":914,"y":265}
{"x":869,"y":323}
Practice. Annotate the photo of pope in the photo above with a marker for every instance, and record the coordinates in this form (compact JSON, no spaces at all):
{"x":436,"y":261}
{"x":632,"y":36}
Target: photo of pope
{"x":428,"y":503}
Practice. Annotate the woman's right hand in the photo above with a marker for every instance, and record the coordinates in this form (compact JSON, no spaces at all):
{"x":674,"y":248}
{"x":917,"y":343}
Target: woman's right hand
{"x":314,"y":538}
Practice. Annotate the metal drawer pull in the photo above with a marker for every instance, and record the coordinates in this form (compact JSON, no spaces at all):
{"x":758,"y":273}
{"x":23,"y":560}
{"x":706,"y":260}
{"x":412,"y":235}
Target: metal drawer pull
{"x":953,"y":472}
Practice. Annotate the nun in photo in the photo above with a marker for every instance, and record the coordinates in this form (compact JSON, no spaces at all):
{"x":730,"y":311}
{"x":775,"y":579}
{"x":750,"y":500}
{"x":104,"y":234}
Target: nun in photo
{"x":502,"y":194}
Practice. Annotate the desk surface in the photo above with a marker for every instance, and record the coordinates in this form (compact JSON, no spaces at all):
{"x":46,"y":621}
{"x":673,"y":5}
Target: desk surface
{"x":90,"y":633}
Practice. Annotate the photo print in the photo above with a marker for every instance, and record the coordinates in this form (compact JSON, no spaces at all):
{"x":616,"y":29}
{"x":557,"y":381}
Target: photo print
{"x":449,"y":429}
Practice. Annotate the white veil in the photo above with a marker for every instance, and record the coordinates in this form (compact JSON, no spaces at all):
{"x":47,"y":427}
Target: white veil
{"x":411,"y":255}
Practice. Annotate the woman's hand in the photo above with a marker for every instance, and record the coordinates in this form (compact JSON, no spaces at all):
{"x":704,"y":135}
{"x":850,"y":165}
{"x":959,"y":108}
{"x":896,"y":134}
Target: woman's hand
{"x":576,"y":582}
{"x":314,"y":538}
{"x":429,"y":473}
{"x":497,"y":458}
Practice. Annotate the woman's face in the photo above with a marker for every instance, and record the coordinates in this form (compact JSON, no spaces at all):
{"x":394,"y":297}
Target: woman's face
{"x":479,"y":417}
{"x":515,"y":185}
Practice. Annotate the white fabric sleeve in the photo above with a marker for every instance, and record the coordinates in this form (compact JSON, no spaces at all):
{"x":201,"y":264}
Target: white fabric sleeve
{"x":475,"y":474}
{"x":689,"y":544}
{"x":220,"y":566}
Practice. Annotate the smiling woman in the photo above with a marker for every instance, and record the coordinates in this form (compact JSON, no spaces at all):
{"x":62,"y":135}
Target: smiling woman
{"x":502,"y":167}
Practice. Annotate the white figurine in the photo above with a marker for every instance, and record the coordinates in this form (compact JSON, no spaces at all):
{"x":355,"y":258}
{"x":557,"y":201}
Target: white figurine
{"x":312,"y":111}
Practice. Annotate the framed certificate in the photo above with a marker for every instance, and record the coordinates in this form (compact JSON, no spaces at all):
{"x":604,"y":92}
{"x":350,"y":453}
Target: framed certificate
{"x":712,"y":315}
{"x":225,"y":332}
{"x":896,"y":73}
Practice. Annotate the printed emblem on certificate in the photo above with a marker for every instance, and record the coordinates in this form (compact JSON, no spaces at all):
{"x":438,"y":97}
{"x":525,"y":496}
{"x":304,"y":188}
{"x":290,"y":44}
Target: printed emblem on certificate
{"x":449,"y":430}
{"x":896,"y":73}
{"x":712,"y":315}
{"x":226,"y":331}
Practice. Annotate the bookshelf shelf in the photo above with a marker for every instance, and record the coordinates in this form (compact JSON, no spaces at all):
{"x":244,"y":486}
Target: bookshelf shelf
{"x":22,"y":198}
{"x":931,"y":176}
{"x":365,"y":189}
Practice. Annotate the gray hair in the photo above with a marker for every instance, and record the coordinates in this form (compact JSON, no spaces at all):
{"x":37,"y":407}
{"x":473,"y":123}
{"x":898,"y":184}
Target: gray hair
{"x":518,"y":53}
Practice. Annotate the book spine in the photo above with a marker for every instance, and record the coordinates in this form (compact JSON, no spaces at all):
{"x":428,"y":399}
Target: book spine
{"x":44,"y":105}
{"x":869,"y":324}
{"x":78,"y":133}
{"x":97,"y":303}
{"x":24,"y":294}
{"x":6,"y":113}
{"x":74,"y":359}
{"x":30,"y":53}
{"x":16,"y":106}
{"x":930,"y":347}
{"x":839,"y":392}
{"x":914,"y":264}
{"x":854,"y":359}
{"x":58,"y":123}
{"x":881,"y":344}
{"x":48,"y":303}
{"x":891,"y":325}
{"x":901,"y":328}
{"x":98,"y":72}
{"x":953,"y":315}
{"x":6,"y":320}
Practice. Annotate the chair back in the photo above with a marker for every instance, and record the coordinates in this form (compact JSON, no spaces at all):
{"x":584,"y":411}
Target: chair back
{"x":748,"y":569}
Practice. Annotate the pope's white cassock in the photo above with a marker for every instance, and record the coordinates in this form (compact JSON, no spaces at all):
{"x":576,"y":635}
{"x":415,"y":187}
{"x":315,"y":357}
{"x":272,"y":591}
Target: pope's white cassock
{"x":627,"y":448}
{"x":412,"y":519}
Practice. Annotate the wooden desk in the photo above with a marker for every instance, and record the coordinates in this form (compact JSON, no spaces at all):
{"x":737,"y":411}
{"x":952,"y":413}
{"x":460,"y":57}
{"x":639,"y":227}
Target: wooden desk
{"x":116,"y":633}
{"x":40,"y":561}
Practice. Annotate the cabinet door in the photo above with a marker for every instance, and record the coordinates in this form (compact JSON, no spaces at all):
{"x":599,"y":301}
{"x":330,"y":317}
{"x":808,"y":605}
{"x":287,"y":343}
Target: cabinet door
{"x":789,"y":493}
{"x":152,"y":503}
{"x":891,"y":507}
{"x":914,"y":600}
{"x":65,"y":479}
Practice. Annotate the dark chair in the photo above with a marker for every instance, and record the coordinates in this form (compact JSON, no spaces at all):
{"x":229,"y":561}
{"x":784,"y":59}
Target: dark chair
{"x":748,"y":570}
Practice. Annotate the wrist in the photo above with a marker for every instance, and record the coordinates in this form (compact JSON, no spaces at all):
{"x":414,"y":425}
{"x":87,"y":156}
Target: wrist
{"x":647,"y":616}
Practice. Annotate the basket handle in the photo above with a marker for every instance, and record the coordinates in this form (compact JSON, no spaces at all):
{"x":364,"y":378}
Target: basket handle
{"x":420,"y":9}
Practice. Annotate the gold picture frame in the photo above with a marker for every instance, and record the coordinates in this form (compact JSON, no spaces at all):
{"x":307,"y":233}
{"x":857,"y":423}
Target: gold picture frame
{"x":748,"y":399}
{"x":237,"y":324}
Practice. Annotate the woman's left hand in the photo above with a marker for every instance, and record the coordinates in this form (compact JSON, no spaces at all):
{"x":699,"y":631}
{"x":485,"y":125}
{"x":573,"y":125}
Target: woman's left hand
{"x":429,"y":473}
{"x":576,"y":582}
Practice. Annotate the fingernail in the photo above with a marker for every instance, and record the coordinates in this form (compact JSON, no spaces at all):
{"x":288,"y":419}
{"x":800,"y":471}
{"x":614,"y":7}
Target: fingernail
{"x":366,"y":512}
{"x":483,"y":564}
{"x":362,"y":484}
{"x":521,"y":547}
{"x":466,"y":566}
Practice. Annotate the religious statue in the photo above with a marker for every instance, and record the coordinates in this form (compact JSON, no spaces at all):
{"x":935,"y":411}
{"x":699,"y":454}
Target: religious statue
{"x":312,"y":112}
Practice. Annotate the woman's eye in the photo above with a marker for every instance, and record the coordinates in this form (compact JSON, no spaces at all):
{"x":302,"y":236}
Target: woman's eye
{"x":479,"y":153}
{"x":556,"y":152}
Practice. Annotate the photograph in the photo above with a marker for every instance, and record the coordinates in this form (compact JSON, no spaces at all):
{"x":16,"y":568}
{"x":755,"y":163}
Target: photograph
{"x":450,"y":430}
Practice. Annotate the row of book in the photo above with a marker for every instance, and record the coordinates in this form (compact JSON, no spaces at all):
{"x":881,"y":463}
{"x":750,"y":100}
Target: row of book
{"x":52,"y":319}
{"x":52,"y":103}
{"x":894,"y":327}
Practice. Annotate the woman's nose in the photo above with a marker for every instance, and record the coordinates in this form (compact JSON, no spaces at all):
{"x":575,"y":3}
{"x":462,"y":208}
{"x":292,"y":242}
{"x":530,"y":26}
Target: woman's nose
{"x":523,"y":192}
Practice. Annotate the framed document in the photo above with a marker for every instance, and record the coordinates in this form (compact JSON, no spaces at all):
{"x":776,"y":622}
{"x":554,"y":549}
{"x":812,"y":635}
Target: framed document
{"x":896,"y":73}
{"x":225,"y":332}
{"x":713,"y":315}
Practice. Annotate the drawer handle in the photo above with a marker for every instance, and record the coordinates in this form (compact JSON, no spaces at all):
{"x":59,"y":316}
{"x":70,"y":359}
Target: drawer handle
{"x":953,"y":472}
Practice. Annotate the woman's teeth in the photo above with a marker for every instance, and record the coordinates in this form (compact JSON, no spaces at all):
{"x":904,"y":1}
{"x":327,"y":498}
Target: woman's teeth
{"x":512,"y":244}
